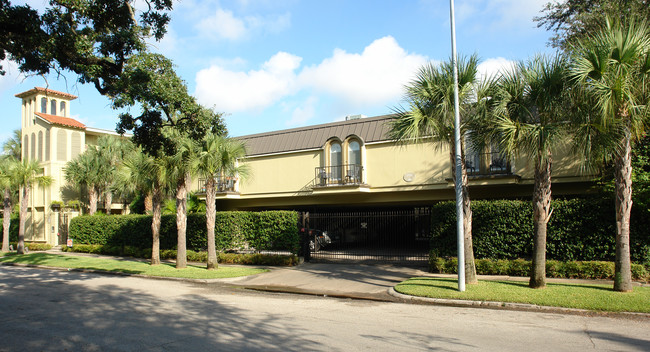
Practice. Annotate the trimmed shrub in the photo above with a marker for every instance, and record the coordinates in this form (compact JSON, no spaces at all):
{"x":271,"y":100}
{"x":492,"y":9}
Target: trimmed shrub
{"x":33,"y":246}
{"x":579,"y":229}
{"x":554,"y":268}
{"x":192,"y":256}
{"x":271,"y":230}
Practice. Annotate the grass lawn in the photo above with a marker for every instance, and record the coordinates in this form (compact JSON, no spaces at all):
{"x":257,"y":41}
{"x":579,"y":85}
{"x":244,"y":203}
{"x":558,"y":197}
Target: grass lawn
{"x":590,"y":296}
{"x":127,"y":266}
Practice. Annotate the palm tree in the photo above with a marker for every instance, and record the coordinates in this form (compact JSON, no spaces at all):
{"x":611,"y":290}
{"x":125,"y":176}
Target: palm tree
{"x":431,"y":115}
{"x":86,"y":170}
{"x":148,"y":175}
{"x":528,"y":119}
{"x":179,"y":171}
{"x":26,"y":175}
{"x":7,"y":165}
{"x":217,"y":160}
{"x":110,"y":152}
{"x":12,"y":146}
{"x":612,"y":68}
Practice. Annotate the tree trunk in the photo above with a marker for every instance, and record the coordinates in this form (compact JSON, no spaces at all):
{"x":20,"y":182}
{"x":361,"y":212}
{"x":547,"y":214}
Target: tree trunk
{"x":210,"y":215}
{"x":181,"y":222}
{"x":541,"y":215}
{"x":155,"y":225}
{"x":6,"y":220}
{"x":148,"y":203}
{"x":23,"y":215}
{"x":622,"y":267}
{"x":470,"y":267}
{"x":92,"y":200}
{"x":108,"y":202}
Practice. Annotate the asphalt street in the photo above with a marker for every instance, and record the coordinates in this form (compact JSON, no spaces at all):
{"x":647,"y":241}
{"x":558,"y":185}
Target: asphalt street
{"x":47,"y":310}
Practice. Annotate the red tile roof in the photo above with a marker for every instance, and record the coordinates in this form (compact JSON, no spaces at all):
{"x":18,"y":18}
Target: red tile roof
{"x":46,"y":91}
{"x":60,"y":120}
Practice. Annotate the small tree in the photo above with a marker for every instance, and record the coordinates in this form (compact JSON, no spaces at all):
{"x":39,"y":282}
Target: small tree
{"x":26,"y":175}
{"x":217,"y":158}
{"x":530,"y":118}
{"x":7,"y":183}
{"x":431,"y":115}
{"x":612,"y":68}
{"x":86,"y":170}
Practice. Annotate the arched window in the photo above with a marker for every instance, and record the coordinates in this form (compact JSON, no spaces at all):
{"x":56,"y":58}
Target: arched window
{"x":53,"y":107}
{"x":44,"y":105}
{"x":25,"y":147}
{"x":40,"y":145}
{"x":62,"y":107}
{"x":33,"y":147}
{"x":336,"y":160}
{"x":354,"y":153}
{"x":47,"y":145}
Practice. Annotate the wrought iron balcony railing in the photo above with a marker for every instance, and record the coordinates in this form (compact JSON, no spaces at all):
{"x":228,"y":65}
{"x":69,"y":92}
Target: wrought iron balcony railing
{"x":348,"y":174}
{"x":487,"y":164}
{"x":223,"y":185}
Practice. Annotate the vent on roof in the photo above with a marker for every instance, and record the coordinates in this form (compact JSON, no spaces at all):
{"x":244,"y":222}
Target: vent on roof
{"x":354,"y":117}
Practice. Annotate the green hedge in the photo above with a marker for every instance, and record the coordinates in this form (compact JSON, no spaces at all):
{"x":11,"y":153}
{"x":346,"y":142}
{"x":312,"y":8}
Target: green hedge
{"x":271,"y":230}
{"x":192,"y":256}
{"x":554,"y":268}
{"x":579,"y":229}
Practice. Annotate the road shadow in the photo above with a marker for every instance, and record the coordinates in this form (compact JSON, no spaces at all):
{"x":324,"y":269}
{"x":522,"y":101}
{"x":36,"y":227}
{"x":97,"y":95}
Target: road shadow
{"x":64,"y":313}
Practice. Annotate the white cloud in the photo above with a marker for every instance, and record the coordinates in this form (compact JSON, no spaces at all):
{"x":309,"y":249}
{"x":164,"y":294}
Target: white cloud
{"x":497,"y":14}
{"x":225,"y":25}
{"x":372,"y":78}
{"x":375,"y":76}
{"x":303,"y":113}
{"x":233,"y":91}
{"x":493,"y":66}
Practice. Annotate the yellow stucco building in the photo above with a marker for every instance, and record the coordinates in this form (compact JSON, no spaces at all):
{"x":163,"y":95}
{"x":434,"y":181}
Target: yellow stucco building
{"x":51,"y":137}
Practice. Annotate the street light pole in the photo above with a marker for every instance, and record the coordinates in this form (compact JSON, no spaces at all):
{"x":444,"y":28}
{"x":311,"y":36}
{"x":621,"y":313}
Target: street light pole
{"x":457,"y":145}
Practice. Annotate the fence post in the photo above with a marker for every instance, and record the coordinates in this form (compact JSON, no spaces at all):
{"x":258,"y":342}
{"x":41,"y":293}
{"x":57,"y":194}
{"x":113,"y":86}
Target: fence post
{"x":305,"y":251}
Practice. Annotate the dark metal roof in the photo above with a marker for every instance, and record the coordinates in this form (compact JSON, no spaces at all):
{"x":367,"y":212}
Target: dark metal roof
{"x":370,"y":129}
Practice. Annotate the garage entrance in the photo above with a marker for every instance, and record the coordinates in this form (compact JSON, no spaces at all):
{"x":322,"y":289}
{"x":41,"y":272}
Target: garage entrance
{"x":400,"y":235}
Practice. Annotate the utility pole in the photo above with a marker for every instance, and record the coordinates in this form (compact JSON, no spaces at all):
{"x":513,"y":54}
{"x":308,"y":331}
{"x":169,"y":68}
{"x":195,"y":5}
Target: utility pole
{"x":458,"y":184}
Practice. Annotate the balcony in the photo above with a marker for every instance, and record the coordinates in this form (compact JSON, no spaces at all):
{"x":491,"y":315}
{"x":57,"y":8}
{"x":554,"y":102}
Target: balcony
{"x":487,"y":164}
{"x":223,"y":184}
{"x":339,"y":175}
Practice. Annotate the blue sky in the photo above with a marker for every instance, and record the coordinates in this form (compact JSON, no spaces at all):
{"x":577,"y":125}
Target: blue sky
{"x":277,"y":64}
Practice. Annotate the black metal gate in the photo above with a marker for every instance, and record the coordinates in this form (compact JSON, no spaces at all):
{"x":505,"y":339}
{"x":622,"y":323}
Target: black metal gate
{"x":63,"y":228}
{"x":383,"y":235}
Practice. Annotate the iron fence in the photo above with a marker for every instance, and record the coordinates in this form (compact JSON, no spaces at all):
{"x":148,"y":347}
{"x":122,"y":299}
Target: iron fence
{"x":383,"y":235}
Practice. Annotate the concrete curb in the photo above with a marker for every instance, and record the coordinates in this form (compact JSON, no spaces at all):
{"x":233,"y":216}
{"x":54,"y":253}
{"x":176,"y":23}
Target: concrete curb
{"x":510,"y":306}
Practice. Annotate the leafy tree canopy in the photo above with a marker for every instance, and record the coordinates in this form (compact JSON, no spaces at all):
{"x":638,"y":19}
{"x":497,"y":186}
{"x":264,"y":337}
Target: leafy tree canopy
{"x":150,"y":80}
{"x":92,"y":38}
{"x":572,"y":20}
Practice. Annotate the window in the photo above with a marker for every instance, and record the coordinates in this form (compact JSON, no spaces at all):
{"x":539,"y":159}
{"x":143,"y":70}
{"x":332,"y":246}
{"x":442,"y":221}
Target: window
{"x":62,"y":108}
{"x":53,"y":107}
{"x":25,"y":147}
{"x":61,"y":146}
{"x":335,"y":161}
{"x":40,"y":145}
{"x":33,"y":157}
{"x":353,"y":172}
{"x":44,"y":105}
{"x":75,"y":145}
